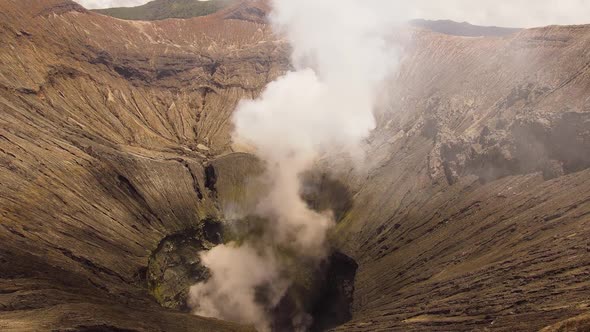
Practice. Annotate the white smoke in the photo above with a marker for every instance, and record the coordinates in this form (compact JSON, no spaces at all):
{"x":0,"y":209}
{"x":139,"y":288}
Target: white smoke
{"x":230,"y":293}
{"x":341,"y":57}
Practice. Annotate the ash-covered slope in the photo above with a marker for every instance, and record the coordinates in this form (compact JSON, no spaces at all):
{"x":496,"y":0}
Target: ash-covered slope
{"x":475,"y":214}
{"x":106,"y":129}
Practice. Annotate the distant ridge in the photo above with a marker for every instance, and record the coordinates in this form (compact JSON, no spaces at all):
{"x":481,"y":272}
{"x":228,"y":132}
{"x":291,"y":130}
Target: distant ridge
{"x":453,"y":28}
{"x":163,"y":9}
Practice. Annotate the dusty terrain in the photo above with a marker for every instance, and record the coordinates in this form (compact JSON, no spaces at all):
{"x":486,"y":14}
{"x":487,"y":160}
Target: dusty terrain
{"x":115,"y":135}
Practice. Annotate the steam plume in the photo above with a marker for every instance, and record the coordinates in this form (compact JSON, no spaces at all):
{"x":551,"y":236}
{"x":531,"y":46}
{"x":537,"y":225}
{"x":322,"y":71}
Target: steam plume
{"x":340,"y":56}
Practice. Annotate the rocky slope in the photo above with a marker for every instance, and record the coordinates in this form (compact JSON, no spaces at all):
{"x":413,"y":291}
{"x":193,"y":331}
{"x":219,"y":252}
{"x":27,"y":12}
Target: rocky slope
{"x":104,"y":147}
{"x":476,"y":216}
{"x":115,"y":136}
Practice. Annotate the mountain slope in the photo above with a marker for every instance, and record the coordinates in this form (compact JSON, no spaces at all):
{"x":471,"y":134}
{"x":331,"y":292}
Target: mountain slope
{"x":477,"y":214}
{"x":105,"y":145}
{"x":463,"y":29}
{"x":115,"y":135}
{"x":163,"y":9}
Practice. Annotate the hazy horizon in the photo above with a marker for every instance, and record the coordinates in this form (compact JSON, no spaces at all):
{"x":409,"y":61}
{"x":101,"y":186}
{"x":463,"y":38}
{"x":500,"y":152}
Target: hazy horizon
{"x":503,"y":13}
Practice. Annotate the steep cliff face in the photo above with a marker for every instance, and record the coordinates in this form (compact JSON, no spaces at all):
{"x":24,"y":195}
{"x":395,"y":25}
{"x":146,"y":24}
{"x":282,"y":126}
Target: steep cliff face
{"x":477,"y":214}
{"x":115,"y":135}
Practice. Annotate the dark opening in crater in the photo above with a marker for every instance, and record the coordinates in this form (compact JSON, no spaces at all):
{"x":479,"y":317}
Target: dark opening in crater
{"x":334,"y":302}
{"x":319,"y":298}
{"x":210,"y":178}
{"x":322,"y":192}
{"x":318,"y":302}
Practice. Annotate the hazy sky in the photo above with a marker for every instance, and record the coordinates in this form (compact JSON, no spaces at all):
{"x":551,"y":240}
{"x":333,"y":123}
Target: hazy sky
{"x":515,"y":13}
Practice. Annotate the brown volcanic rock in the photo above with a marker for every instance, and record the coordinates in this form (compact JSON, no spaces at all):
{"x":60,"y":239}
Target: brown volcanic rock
{"x":194,"y":64}
{"x":103,"y":150}
{"x":474,"y":216}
